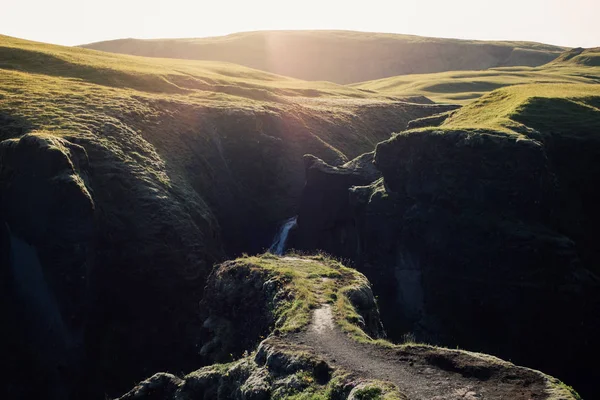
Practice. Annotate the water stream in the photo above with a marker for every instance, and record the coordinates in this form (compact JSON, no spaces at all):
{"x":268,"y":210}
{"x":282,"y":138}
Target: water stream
{"x":278,"y":246}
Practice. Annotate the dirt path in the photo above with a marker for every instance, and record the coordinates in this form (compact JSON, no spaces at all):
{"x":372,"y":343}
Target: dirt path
{"x":421,"y":373}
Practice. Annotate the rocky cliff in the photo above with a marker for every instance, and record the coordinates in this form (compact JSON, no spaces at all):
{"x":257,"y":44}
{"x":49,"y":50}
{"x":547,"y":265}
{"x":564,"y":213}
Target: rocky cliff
{"x":474,"y":237}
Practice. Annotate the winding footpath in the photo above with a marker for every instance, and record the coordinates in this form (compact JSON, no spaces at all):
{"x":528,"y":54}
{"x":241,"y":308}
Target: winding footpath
{"x":421,"y":372}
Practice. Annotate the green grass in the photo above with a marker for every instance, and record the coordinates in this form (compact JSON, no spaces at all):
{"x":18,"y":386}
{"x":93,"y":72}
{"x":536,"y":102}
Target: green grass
{"x":197,"y":79}
{"x":579,"y":56}
{"x":463,"y":87}
{"x":551,"y":108}
{"x":313,"y":280}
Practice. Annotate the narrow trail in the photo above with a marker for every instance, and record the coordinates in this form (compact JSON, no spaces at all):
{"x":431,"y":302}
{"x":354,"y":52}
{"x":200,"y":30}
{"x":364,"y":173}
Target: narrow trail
{"x":421,"y":373}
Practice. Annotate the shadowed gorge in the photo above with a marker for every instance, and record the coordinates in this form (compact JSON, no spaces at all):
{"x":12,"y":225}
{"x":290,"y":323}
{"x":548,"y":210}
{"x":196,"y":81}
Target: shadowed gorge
{"x":138,"y":197}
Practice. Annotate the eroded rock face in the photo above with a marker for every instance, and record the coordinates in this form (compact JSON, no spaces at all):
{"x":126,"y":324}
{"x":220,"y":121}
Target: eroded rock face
{"x":238,"y":309}
{"x":326,"y":213}
{"x":47,"y":217}
{"x":83,"y":309}
{"x":465,"y":243}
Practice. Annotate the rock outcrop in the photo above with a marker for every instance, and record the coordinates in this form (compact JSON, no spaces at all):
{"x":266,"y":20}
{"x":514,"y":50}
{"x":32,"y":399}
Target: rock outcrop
{"x":238,"y":309}
{"x":76,"y":295}
{"x":465,"y":242}
{"x":325,"y":209}
{"x":47,"y":219}
{"x":431,"y":121}
{"x":328,"y":356}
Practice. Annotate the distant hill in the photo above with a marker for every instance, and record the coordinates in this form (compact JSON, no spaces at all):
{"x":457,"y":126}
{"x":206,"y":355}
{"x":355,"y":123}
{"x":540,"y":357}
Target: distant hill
{"x":462,"y":87}
{"x":341,"y":56}
{"x":580,"y":56}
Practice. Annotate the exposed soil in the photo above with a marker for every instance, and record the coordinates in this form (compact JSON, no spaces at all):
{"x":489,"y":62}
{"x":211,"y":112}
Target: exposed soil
{"x":421,"y":372}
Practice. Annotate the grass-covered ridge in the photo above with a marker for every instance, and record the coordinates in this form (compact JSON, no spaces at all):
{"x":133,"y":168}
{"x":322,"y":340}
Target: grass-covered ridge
{"x":198,"y":79}
{"x":463,"y":87}
{"x":344,"y":56}
{"x":579,"y":56}
{"x":571,"y":109}
{"x":313,"y":281}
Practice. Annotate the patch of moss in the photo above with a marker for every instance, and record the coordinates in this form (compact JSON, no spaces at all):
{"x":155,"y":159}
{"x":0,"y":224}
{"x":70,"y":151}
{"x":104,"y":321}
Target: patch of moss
{"x":377,"y":390}
{"x":312,"y":280}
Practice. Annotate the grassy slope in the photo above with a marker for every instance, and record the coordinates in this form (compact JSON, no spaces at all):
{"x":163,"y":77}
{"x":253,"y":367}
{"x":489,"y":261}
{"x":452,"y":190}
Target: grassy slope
{"x":463,"y":87}
{"x":551,"y":108}
{"x":76,"y":91}
{"x":579,"y":56}
{"x":343,"y":56}
{"x":198,"y":80}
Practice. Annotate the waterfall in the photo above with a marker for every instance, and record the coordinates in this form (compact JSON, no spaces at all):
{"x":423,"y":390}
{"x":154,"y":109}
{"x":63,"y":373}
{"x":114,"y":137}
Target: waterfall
{"x":278,"y":245}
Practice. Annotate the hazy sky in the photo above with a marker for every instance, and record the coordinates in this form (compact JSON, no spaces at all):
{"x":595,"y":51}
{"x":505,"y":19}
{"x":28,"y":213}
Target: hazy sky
{"x":562,"y":22}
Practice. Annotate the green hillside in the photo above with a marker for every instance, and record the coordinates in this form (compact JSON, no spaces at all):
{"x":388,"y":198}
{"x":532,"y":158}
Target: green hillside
{"x":165,"y":76}
{"x":463,"y":87}
{"x":341,"y":56}
{"x":579,"y":56}
{"x":566,"y":109}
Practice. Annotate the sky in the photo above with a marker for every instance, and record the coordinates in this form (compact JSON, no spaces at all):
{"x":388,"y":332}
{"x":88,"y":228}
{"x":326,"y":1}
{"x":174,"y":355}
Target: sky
{"x":572,"y":23}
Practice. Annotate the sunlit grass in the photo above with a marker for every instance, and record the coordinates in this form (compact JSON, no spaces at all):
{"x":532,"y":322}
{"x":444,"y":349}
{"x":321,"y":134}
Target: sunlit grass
{"x":313,"y":281}
{"x":553,"y":108}
{"x":155,"y":75}
{"x":462,"y":87}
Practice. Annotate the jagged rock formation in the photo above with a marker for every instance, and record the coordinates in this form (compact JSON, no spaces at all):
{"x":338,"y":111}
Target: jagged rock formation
{"x":47,"y":218}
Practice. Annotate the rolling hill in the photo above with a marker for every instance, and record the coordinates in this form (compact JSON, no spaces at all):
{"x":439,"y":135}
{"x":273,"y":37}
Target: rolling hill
{"x":579,"y":56}
{"x":341,"y":56}
{"x":462,"y":87}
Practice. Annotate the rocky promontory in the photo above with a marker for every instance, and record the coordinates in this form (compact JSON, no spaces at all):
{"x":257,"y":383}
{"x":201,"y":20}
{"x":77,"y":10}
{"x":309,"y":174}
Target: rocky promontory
{"x":315,"y":337}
